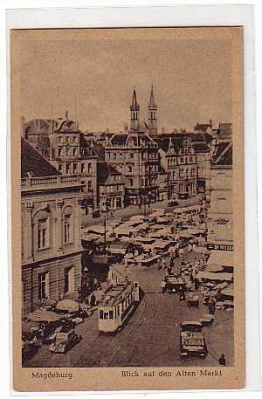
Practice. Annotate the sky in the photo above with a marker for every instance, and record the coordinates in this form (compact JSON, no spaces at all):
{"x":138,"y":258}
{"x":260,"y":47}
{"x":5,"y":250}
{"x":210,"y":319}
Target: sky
{"x":192,"y":79}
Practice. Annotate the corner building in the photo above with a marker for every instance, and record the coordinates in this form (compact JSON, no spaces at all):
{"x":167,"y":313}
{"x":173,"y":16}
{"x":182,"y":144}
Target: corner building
{"x":50,"y":229}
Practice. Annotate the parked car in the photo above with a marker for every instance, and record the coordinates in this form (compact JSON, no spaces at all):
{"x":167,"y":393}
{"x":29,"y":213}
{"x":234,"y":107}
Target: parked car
{"x":64,"y":341}
{"x":192,"y":340}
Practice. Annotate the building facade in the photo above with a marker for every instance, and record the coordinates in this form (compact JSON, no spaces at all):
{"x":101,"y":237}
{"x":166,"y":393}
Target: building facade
{"x":135,"y":155}
{"x":64,"y":145}
{"x":111,"y":188}
{"x":51,"y":226}
{"x":178,"y":159}
{"x":220,"y":212}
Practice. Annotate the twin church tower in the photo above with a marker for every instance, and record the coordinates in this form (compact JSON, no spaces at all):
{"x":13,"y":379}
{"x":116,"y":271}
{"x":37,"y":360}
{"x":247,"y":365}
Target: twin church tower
{"x":151,"y":125}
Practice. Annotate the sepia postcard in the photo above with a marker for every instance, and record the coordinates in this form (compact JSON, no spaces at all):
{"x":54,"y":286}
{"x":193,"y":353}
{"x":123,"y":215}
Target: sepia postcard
{"x":127,"y":208}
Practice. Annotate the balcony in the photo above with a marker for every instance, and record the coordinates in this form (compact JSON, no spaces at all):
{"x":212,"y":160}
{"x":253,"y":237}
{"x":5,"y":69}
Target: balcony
{"x":41,"y":183}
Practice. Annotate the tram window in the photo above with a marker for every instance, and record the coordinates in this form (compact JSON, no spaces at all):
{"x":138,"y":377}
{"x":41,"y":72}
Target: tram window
{"x":118,"y":310}
{"x":135,"y":285}
{"x":101,"y":314}
{"x":111,"y":314}
{"x":105,"y":316}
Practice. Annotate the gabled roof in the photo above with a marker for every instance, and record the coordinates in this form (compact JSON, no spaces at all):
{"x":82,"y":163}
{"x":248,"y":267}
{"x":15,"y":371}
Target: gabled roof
{"x":86,"y":150}
{"x":165,"y":142}
{"x":33,"y":164}
{"x":66,"y":126}
{"x":137,"y":139}
{"x":104,"y":170}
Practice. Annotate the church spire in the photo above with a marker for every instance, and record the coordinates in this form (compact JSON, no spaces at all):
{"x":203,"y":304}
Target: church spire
{"x":134,"y":109}
{"x":152,"y":113}
{"x":152,"y":103}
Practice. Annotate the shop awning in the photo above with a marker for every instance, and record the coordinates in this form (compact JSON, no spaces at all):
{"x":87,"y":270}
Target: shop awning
{"x":96,"y":229}
{"x":222,"y":258}
{"x":215,"y":276}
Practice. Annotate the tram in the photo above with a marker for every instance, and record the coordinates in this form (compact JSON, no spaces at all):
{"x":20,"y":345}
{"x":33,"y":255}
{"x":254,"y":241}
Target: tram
{"x":117,"y":305}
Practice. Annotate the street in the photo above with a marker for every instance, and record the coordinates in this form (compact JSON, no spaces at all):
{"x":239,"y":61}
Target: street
{"x":150,"y":337}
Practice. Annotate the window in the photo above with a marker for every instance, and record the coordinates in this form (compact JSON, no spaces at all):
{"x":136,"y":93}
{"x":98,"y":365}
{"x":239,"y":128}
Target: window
{"x":68,"y":168}
{"x":130,"y":182}
{"x":89,"y":186}
{"x":89,"y":168}
{"x":60,"y":139}
{"x":43,"y":233}
{"x":75,"y":168}
{"x":101,"y":314}
{"x":182,"y":159}
{"x":131,"y":155}
{"x":82,"y":167}
{"x":68,"y":230}
{"x":69,"y":281}
{"x":74,"y":152}
{"x":43,"y":286}
{"x":129,"y":168}
{"x":111,"y":314}
{"x":59,"y":152}
{"x":60,"y":167}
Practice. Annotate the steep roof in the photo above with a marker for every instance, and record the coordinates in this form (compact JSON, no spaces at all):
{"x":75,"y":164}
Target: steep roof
{"x":223,"y":154}
{"x":99,"y":150}
{"x":33,"y":163}
{"x":164,"y":143}
{"x":152,"y":102}
{"x":200,"y":146}
{"x":104,"y":170}
{"x":134,"y":106}
{"x":138,"y":139}
{"x":86,"y":150}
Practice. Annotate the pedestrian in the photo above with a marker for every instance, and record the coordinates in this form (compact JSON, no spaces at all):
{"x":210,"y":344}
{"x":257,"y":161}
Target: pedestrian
{"x":163,"y":286}
{"x":92,"y":300}
{"x":197,"y":284}
{"x":182,"y":296}
{"x":222,"y":360}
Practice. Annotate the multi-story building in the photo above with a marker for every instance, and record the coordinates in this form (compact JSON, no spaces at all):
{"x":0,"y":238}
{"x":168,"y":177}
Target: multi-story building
{"x":51,"y":226}
{"x":64,"y":145}
{"x":71,"y":154}
{"x":111,"y":187}
{"x":135,"y":155}
{"x":201,"y":143}
{"x":220,"y":212}
{"x":178,"y":159}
